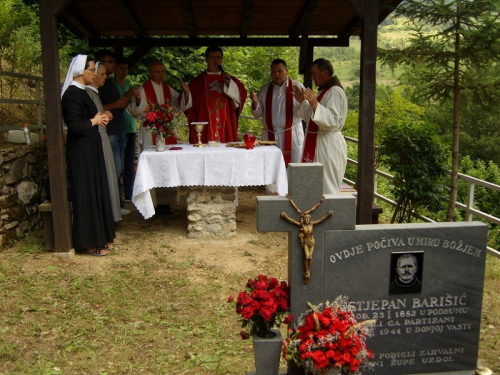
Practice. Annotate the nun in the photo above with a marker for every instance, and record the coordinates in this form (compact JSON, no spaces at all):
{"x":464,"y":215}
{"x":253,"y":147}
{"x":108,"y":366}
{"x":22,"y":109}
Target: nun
{"x":93,"y":92}
{"x":93,"y":225}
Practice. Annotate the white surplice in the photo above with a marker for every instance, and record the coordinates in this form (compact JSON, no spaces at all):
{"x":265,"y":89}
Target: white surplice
{"x":174,"y":95}
{"x":331,"y":147}
{"x":279,"y":118}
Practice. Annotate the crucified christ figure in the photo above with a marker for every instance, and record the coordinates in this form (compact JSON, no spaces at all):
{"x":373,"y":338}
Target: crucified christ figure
{"x":306,"y":225}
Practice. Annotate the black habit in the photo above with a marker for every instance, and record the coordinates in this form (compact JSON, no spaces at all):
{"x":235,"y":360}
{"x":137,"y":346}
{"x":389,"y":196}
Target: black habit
{"x":93,"y":223}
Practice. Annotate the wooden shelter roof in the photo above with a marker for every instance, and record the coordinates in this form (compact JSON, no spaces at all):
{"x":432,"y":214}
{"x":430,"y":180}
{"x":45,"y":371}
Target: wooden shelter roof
{"x":243,"y":20}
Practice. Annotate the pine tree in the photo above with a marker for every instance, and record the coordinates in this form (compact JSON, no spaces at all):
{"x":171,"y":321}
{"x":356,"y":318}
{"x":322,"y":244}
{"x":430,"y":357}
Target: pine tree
{"x":466,"y":41}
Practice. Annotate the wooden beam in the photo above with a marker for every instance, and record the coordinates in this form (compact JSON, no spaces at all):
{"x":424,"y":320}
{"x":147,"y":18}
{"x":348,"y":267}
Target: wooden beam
{"x":246,"y":18}
{"x":387,"y":9}
{"x":307,"y":68}
{"x":303,"y":54}
{"x":188,"y":16}
{"x":137,"y":55}
{"x":60,"y":5}
{"x":79,"y":24}
{"x":304,"y":20}
{"x":366,"y":148}
{"x":55,"y":143}
{"x":133,"y":21}
{"x":351,"y":27}
{"x":226,"y":42}
{"x":358,"y":7}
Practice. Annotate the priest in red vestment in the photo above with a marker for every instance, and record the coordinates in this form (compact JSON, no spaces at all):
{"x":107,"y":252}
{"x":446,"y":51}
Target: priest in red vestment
{"x":218,"y":99}
{"x":156,"y":91}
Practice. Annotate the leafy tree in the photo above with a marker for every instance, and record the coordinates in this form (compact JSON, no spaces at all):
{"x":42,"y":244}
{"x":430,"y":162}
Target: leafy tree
{"x":414,"y":155}
{"x":447,"y":60}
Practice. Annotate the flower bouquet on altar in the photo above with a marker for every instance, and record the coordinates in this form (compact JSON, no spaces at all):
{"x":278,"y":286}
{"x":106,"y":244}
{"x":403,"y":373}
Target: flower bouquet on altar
{"x":163,"y":119}
{"x":329,"y":340}
{"x":263,"y":304}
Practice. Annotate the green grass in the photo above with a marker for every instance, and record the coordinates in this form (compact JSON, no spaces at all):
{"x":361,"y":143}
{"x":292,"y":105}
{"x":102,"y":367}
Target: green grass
{"x":142,"y":315}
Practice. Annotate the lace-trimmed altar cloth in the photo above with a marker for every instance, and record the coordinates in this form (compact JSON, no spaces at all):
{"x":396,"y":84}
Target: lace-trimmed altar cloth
{"x":207,"y":166}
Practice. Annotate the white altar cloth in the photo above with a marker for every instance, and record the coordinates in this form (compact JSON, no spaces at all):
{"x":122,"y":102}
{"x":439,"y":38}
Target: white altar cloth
{"x":207,"y":166}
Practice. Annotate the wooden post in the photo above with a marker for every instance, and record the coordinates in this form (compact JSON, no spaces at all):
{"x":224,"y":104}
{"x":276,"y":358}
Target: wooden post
{"x":364,"y":181}
{"x":306,"y":56}
{"x":55,"y":144}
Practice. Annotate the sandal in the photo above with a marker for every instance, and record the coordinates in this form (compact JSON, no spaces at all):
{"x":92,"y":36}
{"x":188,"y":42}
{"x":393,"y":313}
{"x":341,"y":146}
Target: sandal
{"x":109,"y":247}
{"x":96,"y":251}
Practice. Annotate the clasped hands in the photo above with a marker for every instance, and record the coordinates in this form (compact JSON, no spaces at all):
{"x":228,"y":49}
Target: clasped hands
{"x":305,"y":94}
{"x":102,"y":118}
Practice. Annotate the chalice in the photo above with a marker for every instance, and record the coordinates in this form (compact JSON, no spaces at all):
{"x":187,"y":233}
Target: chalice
{"x":198,"y":126}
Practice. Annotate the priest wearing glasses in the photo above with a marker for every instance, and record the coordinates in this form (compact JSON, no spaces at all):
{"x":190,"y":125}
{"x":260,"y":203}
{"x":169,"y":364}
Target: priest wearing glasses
{"x":218,"y":99}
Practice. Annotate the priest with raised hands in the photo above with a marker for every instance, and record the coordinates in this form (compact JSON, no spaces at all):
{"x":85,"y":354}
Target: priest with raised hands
{"x":156,"y":91}
{"x":325,"y":114}
{"x":278,"y":108}
{"x":218,"y":99}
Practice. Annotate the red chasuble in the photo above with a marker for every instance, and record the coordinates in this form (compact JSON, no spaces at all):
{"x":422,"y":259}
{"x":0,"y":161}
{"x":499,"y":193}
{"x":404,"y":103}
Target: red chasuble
{"x":287,"y":152}
{"x":212,"y":105}
{"x":312,"y":135}
{"x":152,"y":100}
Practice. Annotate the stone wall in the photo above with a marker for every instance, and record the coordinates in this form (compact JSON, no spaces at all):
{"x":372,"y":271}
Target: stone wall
{"x":22,"y":168}
{"x":211,"y":212}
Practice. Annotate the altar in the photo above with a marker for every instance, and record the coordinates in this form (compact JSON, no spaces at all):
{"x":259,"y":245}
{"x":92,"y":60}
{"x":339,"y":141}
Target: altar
{"x":206,"y":167}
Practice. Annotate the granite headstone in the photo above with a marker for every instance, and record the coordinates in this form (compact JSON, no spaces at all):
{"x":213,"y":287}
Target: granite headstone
{"x":422,"y":282}
{"x":424,"y":285}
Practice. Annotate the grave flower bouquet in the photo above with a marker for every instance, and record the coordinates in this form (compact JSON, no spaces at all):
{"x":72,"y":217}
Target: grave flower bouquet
{"x":262,"y":305}
{"x":329,"y":340}
{"x":163,"y":119}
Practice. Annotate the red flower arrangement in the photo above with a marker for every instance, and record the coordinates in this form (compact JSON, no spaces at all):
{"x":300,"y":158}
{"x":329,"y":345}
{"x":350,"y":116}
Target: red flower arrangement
{"x":163,"y":119}
{"x":263,"y":305}
{"x":329,"y":340}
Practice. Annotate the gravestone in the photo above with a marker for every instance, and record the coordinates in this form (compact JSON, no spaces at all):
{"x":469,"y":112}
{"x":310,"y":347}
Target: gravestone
{"x":430,"y":324}
{"x":422,"y":282}
{"x":305,"y":186}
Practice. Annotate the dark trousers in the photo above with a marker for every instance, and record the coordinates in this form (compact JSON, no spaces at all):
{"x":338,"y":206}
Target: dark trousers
{"x":129,"y":164}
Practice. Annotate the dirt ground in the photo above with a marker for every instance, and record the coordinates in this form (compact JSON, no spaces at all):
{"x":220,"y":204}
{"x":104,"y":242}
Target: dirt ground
{"x":249,"y":250}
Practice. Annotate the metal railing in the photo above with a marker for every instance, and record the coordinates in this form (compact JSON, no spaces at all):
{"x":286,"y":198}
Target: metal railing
{"x":38,"y":102}
{"x":468,"y":208}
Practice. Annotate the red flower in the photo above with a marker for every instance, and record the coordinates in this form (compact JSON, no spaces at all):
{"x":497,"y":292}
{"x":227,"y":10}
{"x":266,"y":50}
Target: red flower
{"x":354,"y":364}
{"x":151,"y":117}
{"x":247,"y":312}
{"x":244,"y":298}
{"x":329,"y":354}
{"x":230,"y":299}
{"x":319,"y":359}
{"x":288,"y":319}
{"x":261,"y":285}
{"x":263,"y":304}
{"x":244,"y":335}
{"x":161,"y":116}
